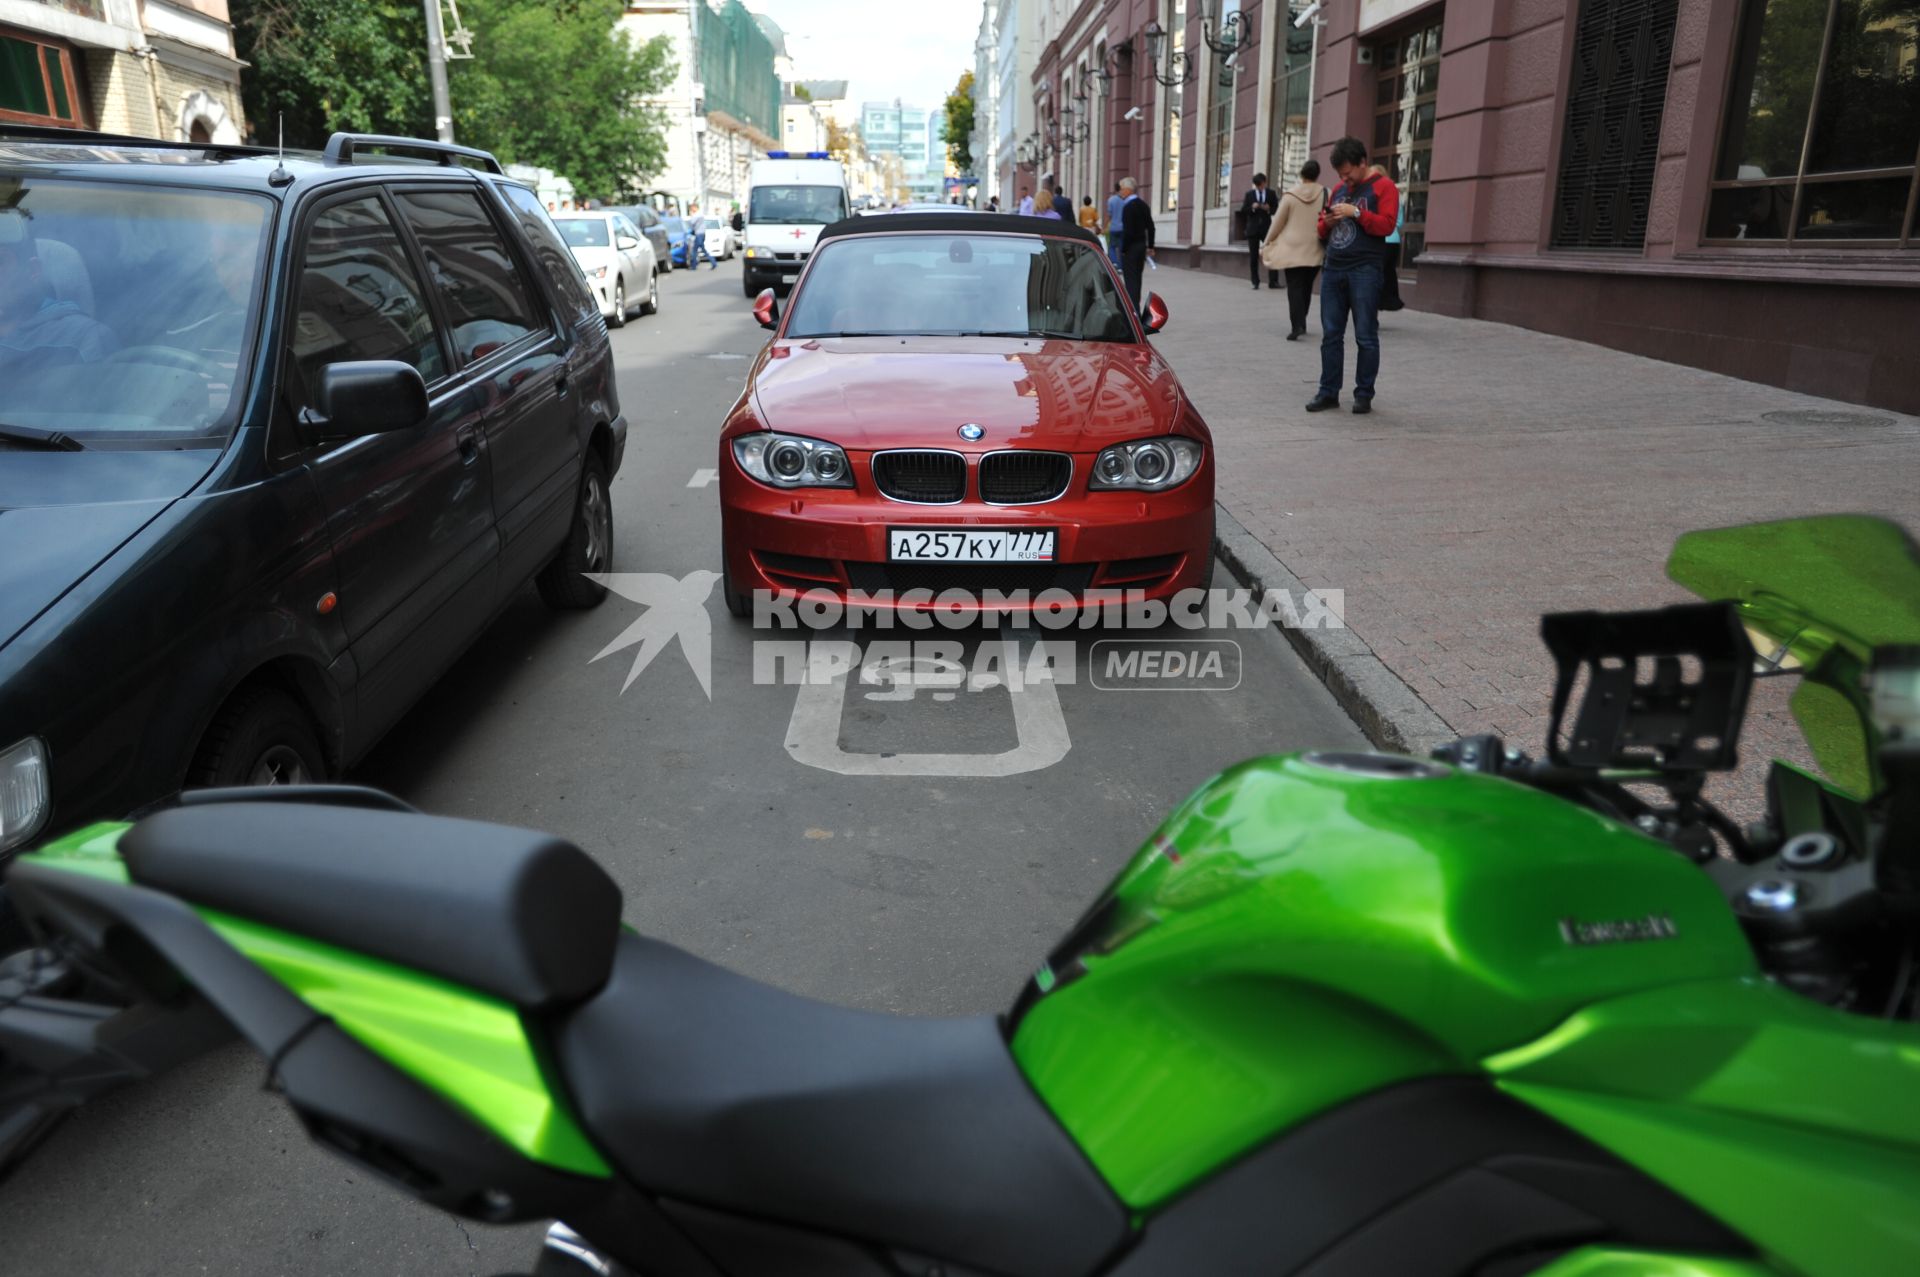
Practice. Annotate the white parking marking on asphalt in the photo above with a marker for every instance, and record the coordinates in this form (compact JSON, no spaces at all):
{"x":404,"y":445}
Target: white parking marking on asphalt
{"x":701,"y":478}
{"x":813,"y":734}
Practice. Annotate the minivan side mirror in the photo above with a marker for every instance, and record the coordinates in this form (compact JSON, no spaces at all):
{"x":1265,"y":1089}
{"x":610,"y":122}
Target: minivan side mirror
{"x":1156,"y":318}
{"x":366,"y":397}
{"x":766,"y":309}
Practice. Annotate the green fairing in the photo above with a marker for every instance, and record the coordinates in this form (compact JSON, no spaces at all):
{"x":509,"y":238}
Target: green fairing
{"x":1323,"y":934}
{"x":1796,"y":1124}
{"x":1823,"y":593}
{"x":93,"y":850}
{"x":468,"y":1048}
{"x":1602,"y":1261}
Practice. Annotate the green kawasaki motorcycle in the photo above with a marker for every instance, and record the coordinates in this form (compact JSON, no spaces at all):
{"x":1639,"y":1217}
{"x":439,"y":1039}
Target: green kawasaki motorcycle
{"x":1342,"y":1014}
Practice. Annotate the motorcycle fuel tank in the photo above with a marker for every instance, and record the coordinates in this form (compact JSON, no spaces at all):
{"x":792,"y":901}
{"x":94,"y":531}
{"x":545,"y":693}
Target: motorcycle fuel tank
{"x":1308,"y":928}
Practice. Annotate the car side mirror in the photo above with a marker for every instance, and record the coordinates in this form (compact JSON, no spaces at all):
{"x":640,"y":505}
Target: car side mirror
{"x":627,"y":241}
{"x":1156,"y":313}
{"x":766,"y":309}
{"x":366,"y":397}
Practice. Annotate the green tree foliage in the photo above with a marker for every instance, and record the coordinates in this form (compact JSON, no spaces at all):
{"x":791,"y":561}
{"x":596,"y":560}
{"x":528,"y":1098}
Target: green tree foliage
{"x":553,"y":83}
{"x":556,"y":83}
{"x":960,"y":123}
{"x":322,"y":65}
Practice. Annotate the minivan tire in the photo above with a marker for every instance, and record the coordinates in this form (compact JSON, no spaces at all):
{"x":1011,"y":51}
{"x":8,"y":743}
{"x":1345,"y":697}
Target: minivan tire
{"x":588,"y":547}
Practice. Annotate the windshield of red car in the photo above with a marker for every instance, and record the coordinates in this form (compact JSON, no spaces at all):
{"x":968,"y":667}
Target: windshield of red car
{"x":162,"y":284}
{"x":941,"y":284}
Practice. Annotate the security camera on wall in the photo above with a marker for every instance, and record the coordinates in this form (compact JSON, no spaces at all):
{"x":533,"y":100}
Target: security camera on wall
{"x":1364,"y":55}
{"x":1133,"y":113}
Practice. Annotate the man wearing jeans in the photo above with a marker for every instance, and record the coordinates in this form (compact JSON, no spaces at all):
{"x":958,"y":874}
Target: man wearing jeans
{"x":1355,"y":223}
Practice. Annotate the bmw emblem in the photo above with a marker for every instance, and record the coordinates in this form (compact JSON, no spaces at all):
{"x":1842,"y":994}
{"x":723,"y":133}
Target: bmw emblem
{"x":971,"y":433}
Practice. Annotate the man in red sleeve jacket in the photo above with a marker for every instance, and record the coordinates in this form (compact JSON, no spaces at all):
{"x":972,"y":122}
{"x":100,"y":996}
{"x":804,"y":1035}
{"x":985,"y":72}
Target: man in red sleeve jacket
{"x":1355,"y":223}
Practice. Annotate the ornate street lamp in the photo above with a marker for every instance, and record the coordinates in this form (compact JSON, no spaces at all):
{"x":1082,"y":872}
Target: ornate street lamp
{"x":1108,"y":72}
{"x":1229,"y":37}
{"x":1178,"y":71}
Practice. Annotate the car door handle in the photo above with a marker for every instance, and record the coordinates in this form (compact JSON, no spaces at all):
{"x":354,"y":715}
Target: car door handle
{"x":560,"y":383}
{"x":469,"y":440}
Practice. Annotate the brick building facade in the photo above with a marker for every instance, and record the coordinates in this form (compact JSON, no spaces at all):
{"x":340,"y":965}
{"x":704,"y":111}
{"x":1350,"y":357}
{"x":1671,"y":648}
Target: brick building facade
{"x":1724,"y":183}
{"x":150,"y":68}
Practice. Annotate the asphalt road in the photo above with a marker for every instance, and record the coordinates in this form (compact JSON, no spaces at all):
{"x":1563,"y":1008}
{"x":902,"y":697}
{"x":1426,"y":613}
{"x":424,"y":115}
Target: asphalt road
{"x":757,"y":828}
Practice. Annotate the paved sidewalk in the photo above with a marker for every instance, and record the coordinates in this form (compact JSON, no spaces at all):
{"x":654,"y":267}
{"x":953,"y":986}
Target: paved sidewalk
{"x":1504,"y":473}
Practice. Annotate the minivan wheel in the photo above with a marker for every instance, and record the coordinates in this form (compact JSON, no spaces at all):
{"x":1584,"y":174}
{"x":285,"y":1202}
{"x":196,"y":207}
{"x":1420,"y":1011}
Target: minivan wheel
{"x":260,"y":737}
{"x":619,"y":319}
{"x":651,"y":306}
{"x":588,"y":548}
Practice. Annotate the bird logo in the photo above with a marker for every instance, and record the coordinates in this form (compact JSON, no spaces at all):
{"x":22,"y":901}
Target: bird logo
{"x":676,"y":609}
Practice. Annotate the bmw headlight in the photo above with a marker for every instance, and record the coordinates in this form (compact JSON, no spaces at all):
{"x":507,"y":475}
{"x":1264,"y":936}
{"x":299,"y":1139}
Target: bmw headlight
{"x":789,"y":461}
{"x":1148,"y":465}
{"x":25,"y":792}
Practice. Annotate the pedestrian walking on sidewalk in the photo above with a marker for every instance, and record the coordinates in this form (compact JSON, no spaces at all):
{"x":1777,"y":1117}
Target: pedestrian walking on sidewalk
{"x":1359,"y":216}
{"x":1046,"y":205}
{"x":1062,"y":206}
{"x":1025,"y":207}
{"x":1114,"y":203}
{"x":1256,"y":212}
{"x":1089,"y":215}
{"x":697,"y":239}
{"x":1390,"y":272}
{"x":1293,"y":244}
{"x":1136,"y":241}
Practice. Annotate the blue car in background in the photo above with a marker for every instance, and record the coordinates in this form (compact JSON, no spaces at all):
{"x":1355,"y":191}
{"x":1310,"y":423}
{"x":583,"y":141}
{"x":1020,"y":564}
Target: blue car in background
{"x":679,"y":239}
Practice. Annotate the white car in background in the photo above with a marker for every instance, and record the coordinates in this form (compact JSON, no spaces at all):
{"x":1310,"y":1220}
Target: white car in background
{"x":618,"y":261}
{"x":721,"y":241}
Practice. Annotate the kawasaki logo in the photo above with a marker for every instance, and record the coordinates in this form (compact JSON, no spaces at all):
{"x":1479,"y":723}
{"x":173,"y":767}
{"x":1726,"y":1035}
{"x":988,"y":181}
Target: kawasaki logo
{"x":1655,"y":926}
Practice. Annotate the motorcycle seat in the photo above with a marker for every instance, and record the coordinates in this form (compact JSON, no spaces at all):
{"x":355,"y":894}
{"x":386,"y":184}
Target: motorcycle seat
{"x":710,"y":1088}
{"x":523,"y":916}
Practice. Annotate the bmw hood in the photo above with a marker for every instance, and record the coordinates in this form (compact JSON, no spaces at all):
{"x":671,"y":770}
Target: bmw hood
{"x":889,"y":392}
{"x":63,"y":513}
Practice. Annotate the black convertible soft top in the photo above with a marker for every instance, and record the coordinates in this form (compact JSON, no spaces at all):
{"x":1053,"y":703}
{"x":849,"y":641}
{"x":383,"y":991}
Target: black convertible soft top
{"x":978,"y":223}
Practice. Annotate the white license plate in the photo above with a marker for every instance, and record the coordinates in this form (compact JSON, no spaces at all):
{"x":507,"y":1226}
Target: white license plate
{"x":971,"y":545}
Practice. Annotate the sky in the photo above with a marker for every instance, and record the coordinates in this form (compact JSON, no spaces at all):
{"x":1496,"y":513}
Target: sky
{"x":885,"y":49}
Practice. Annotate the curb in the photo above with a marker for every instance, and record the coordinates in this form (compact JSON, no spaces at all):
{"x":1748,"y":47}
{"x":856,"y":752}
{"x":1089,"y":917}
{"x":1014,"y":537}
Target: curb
{"x":1390,"y":713}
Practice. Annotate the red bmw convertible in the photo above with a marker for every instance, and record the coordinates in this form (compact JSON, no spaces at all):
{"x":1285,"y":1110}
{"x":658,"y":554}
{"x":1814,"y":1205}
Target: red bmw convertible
{"x":962,"y":402}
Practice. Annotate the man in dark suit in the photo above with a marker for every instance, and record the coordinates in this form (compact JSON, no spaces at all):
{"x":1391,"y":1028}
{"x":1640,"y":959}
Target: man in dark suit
{"x":1061,"y":203}
{"x":1256,"y":213}
{"x":1136,"y":241}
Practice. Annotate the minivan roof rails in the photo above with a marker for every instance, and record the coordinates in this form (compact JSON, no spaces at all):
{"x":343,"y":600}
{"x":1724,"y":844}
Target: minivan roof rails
{"x":341,"y":146}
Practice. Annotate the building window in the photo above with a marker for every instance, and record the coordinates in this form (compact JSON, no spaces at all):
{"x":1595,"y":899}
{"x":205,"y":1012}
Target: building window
{"x":1287,"y":139}
{"x":37,"y":84}
{"x":1175,"y":24}
{"x":1821,"y":138}
{"x":1406,"y":85}
{"x":1615,"y":101}
{"x":1219,"y":171}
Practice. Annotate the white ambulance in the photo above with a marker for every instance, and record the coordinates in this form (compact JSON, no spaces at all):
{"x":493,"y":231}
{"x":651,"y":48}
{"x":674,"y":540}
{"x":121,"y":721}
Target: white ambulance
{"x":789,"y":199}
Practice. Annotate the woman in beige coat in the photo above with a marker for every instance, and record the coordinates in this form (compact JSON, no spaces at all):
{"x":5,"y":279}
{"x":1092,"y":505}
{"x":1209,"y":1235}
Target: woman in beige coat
{"x":1293,"y":244}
